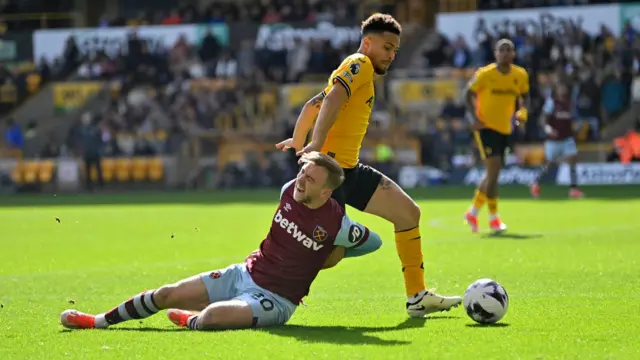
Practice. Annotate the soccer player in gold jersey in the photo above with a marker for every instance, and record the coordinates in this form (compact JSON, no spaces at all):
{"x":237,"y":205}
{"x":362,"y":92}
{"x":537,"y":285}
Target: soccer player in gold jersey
{"x":343,"y":110}
{"x":491,"y":98}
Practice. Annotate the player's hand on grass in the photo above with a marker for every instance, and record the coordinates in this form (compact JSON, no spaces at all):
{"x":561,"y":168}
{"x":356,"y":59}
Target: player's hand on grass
{"x":286,"y":145}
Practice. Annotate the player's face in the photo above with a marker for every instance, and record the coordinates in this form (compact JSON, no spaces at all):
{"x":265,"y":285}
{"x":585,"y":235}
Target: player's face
{"x":310,"y":184}
{"x":505,"y":54}
{"x":382,"y":49}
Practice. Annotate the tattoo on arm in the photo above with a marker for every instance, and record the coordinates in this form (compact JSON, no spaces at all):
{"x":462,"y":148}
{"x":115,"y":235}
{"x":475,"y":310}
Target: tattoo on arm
{"x":317,"y":100}
{"x":385,"y":183}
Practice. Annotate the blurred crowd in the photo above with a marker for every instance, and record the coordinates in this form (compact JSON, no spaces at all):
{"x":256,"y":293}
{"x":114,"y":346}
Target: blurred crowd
{"x":164,"y":97}
{"x":522,"y":4}
{"x":599,"y":69}
{"x":265,"y":11}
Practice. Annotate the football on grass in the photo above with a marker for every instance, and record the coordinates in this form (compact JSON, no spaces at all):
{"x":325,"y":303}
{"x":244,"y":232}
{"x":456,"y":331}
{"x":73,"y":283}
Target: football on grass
{"x":486,"y":301}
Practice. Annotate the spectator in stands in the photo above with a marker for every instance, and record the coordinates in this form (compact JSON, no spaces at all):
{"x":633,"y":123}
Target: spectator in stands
{"x":297,"y":60}
{"x":210,"y":48}
{"x":587,"y":99}
{"x":227,"y":66}
{"x":13,"y":136}
{"x":460,"y":54}
{"x":71,"y":57}
{"x":51,"y":149}
{"x":91,"y":141}
{"x":452,"y":109}
{"x":613,"y":93}
{"x":626,"y":148}
{"x":172,"y":19}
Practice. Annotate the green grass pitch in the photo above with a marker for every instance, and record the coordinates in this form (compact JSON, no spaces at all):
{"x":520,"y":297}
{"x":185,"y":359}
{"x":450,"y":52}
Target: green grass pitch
{"x":571,"y":268}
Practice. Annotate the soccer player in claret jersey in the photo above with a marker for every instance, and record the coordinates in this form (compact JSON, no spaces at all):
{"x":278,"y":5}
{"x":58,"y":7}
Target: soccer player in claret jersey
{"x":560,"y":144}
{"x":309,"y":230}
{"x":341,"y":113}
{"x":491,"y":98}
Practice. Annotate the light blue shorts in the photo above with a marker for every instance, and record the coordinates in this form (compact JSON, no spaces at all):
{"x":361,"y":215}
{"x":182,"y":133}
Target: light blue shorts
{"x":560,"y":148}
{"x":235,"y":282}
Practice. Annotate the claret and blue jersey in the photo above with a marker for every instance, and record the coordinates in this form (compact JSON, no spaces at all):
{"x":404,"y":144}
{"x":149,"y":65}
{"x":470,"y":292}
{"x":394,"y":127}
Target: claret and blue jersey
{"x":299,"y":242}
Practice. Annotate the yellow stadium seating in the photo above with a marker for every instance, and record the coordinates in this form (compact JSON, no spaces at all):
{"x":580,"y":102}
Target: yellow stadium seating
{"x":108,"y":169}
{"x":156,"y":169}
{"x":139,"y":169}
{"x":123,"y":169}
{"x":30,"y":171}
{"x":16,"y":174}
{"x":535,"y":156}
{"x":45,"y":172}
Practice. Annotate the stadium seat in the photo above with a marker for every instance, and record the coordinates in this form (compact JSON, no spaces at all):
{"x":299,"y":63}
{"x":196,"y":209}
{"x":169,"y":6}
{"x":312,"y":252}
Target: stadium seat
{"x":156,"y":169}
{"x":583,"y":132}
{"x":108,"y":169}
{"x":30,"y":171}
{"x":33,"y":82}
{"x":45,"y":171}
{"x":16,"y":174}
{"x":123,"y":169}
{"x":139,"y":169}
{"x":535,"y":156}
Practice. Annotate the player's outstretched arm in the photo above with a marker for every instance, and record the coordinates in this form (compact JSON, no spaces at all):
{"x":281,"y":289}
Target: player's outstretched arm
{"x":353,"y":239}
{"x":357,"y":238}
{"x":304,"y":123}
{"x":329,"y":111}
{"x":373,"y":243}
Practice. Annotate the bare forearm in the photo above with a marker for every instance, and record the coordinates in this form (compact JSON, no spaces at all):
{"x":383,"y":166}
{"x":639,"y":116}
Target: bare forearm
{"x":306,"y":118}
{"x":304,"y":124}
{"x":326,"y":118}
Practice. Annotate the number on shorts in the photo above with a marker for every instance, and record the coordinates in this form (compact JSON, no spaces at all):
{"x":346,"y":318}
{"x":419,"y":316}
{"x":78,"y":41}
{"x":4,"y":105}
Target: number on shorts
{"x":266,"y":304}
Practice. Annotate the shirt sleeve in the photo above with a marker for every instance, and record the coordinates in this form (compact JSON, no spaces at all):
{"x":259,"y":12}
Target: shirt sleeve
{"x":547,"y":108}
{"x":478,"y":81}
{"x":357,"y":238}
{"x":353,"y":74}
{"x":286,"y":186}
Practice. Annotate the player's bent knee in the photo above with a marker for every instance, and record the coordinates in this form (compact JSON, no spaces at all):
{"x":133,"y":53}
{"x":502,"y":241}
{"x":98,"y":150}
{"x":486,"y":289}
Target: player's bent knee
{"x":165,"y":297}
{"x":232,"y":314}
{"x":188,"y":294}
{"x":408,"y":217}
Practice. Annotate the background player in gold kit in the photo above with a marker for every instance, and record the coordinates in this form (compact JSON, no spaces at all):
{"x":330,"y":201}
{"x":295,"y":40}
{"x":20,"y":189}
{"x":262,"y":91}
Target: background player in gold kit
{"x":491,"y":98}
{"x":343,"y":110}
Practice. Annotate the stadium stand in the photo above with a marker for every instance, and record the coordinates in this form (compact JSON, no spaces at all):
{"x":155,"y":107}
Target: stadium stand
{"x":229,"y":97}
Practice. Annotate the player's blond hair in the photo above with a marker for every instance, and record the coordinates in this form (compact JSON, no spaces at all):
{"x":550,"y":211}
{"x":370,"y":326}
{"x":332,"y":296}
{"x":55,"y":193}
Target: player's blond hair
{"x":335,"y":174}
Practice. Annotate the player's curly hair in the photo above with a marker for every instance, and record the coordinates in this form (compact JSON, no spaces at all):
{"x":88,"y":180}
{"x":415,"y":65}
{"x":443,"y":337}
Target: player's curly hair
{"x":379,"y":23}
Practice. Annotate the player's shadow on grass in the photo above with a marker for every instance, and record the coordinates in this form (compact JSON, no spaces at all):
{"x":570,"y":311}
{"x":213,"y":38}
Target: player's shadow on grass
{"x":484,"y":326}
{"x":137,"y":329}
{"x":349,"y":335}
{"x":511,"y":235}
